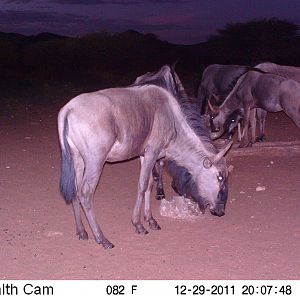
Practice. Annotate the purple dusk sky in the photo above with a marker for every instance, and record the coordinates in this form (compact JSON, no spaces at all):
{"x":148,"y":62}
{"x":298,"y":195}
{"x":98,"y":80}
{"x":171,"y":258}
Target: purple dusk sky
{"x":177,"y":21}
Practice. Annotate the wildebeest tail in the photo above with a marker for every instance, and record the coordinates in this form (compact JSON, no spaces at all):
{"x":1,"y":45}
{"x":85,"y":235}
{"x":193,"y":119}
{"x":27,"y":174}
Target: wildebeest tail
{"x":67,"y":179}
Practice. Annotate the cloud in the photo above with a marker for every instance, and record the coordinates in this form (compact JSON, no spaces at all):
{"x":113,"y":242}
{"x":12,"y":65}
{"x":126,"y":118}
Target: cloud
{"x":117,"y":2}
{"x":18,"y":1}
{"x":95,"y":2}
{"x":171,"y":17}
{"x":32,"y":22}
{"x":99,"y":2}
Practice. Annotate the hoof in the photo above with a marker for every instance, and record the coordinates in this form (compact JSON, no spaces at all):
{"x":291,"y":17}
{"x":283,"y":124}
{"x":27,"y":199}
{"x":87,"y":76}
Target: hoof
{"x":160,"y":196}
{"x":140,"y":229}
{"x":107,"y":244}
{"x":260,"y":139}
{"x":153,"y":225}
{"x":82,"y":235}
{"x":244,"y":145}
{"x":155,"y":178}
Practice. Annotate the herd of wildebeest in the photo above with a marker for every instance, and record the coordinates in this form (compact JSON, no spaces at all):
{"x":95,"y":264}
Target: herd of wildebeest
{"x":156,"y":120}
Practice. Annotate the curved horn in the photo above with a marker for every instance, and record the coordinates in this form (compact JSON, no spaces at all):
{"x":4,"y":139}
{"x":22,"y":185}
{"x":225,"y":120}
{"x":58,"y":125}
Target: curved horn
{"x":222,"y":152}
{"x":215,"y":97}
{"x":214,"y":109}
{"x":180,"y":86}
{"x":174,"y":64}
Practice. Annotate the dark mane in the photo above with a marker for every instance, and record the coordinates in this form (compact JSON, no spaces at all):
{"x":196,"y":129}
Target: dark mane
{"x":197,"y":122}
{"x":233,"y":83}
{"x":167,"y":79}
{"x":163,"y":78}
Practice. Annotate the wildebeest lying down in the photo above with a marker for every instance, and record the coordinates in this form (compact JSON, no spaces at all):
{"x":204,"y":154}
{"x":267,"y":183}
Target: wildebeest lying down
{"x":269,"y":92}
{"x":143,"y":121}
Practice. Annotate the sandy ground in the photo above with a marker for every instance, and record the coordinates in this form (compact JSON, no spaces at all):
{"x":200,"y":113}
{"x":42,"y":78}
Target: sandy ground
{"x":258,"y":238}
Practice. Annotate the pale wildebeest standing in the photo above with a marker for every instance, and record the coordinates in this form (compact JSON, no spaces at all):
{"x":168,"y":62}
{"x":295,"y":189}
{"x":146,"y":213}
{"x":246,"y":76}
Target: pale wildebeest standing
{"x":269,"y":92}
{"x":216,"y":83}
{"x":139,"y":121}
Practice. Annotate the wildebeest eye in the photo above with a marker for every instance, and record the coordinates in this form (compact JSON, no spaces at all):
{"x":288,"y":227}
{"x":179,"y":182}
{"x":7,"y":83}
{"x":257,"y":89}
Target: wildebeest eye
{"x":233,"y":120}
{"x":220,"y":178}
{"x":212,"y":117}
{"x":207,"y":163}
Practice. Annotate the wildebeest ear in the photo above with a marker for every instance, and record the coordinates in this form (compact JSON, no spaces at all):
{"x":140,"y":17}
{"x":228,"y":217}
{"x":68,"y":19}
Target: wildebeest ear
{"x":214,"y":108}
{"x":174,"y":64}
{"x":207,"y":163}
{"x":222,"y":152}
{"x":240,"y":112}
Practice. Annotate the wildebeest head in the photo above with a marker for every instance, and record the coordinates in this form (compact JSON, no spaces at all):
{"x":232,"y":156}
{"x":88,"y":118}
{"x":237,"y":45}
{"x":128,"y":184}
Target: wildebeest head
{"x":232,"y":121}
{"x":221,"y":123}
{"x":208,"y":187}
{"x":212,"y":182}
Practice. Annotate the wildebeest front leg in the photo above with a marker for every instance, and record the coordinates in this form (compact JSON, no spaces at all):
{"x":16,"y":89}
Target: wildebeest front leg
{"x":261,"y":116}
{"x":160,"y":193}
{"x":245,"y":140}
{"x":93,"y":168}
{"x":253,"y":124}
{"x":147,"y":164}
{"x":148,"y":212}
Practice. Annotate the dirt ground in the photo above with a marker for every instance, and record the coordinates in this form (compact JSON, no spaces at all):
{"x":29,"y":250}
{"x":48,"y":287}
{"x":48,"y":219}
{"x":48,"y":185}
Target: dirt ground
{"x":258,"y":238}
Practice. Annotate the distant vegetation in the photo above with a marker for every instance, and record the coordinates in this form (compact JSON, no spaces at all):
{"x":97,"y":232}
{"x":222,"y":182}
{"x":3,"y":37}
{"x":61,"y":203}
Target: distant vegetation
{"x":49,"y":67}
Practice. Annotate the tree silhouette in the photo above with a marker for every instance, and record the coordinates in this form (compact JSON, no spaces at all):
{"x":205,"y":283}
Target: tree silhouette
{"x":257,"y":40}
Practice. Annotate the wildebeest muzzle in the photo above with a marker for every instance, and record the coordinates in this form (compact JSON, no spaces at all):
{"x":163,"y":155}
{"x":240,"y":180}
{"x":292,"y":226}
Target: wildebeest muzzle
{"x":219,"y":209}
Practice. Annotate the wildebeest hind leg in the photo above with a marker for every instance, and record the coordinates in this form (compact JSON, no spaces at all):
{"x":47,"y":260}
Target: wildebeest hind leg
{"x":293,"y":111}
{"x":79,"y":167}
{"x":93,"y":168}
{"x":80,"y":230}
{"x":160,"y":193}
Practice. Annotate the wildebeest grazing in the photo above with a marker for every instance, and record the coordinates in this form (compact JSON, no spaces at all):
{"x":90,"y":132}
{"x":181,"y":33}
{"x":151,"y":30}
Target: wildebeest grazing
{"x":146,"y":121}
{"x":269,"y":92}
{"x":217,"y":82}
{"x":289,"y":72}
{"x":192,"y":111}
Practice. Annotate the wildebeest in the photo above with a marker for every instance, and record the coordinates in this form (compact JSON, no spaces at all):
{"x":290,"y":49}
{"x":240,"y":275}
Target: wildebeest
{"x":190,"y":109}
{"x":143,"y":120}
{"x":217,"y":82}
{"x":235,"y":119}
{"x":269,"y":92}
{"x":288,"y":72}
